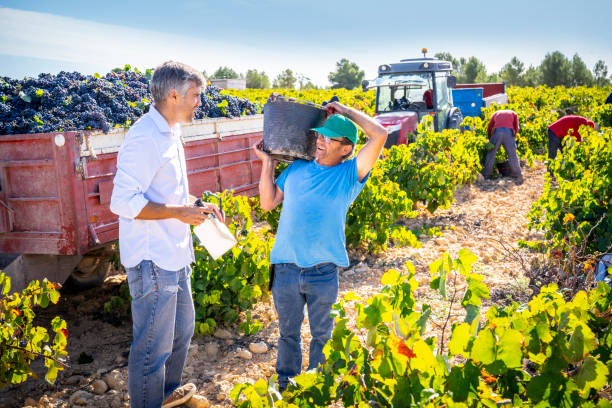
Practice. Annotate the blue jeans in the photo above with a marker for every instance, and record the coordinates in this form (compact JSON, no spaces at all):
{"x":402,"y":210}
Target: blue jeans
{"x":503,"y":137}
{"x":163,"y":320}
{"x":554,"y":144}
{"x":294,"y":287}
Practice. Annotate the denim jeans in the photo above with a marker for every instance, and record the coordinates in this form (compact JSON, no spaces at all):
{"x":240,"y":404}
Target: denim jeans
{"x":503,"y":137}
{"x":293,"y":287}
{"x":163,"y":320}
{"x":554,"y":144}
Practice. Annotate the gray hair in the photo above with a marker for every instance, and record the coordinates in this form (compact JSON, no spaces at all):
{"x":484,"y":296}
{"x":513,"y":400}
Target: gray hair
{"x":349,"y":154}
{"x":173,"y":75}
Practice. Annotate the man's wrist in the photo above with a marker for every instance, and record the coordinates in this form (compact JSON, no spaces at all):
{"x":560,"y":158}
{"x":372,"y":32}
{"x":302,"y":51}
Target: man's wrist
{"x":347,"y":111}
{"x":174,"y":210}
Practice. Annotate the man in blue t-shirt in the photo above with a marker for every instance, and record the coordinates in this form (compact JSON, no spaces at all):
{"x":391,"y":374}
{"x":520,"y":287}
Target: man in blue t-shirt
{"x":310,"y":242}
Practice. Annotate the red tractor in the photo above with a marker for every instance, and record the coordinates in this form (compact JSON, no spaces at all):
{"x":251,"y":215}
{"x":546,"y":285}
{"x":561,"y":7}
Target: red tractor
{"x":411,"y":89}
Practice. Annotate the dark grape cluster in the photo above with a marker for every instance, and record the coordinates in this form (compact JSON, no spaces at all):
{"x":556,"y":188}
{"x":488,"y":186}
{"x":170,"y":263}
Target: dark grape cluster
{"x":73,"y":101}
{"x":215,"y":105}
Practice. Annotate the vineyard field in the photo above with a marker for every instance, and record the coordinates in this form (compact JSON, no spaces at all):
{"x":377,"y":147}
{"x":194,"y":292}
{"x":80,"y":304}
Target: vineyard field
{"x":461,"y":291}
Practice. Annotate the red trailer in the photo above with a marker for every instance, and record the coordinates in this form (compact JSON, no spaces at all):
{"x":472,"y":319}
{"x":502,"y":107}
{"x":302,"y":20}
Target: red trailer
{"x":55,"y":191}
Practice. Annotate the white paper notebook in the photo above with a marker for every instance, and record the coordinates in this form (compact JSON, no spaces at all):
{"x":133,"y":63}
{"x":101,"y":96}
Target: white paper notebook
{"x":215,"y":237}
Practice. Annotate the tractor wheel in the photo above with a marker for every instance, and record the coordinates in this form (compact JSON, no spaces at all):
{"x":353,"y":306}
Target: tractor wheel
{"x":454,"y":120}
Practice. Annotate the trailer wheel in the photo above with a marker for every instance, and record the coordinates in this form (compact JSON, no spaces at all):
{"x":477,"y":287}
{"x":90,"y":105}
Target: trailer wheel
{"x":91,"y":271}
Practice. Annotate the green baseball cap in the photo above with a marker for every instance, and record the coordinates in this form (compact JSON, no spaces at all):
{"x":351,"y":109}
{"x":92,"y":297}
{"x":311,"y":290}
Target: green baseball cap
{"x":338,"y":126}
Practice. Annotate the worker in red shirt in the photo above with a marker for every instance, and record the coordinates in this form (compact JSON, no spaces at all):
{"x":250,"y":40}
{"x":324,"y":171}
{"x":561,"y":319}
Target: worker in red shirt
{"x":502,"y":130}
{"x":566,"y":126}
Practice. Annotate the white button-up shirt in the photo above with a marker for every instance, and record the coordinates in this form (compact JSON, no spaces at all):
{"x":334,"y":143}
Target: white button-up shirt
{"x":151,"y":167}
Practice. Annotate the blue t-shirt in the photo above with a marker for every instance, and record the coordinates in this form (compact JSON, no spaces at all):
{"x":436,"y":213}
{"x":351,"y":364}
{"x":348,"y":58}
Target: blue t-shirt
{"x":316,"y":201}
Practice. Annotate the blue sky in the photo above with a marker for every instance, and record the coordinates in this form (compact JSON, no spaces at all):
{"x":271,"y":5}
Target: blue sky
{"x":305,"y":36}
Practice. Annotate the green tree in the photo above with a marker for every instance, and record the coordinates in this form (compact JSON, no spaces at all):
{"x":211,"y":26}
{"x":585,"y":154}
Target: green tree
{"x":446,"y":56}
{"x":532,"y":77}
{"x":257,"y":80}
{"x":556,"y":70}
{"x":581,"y":76}
{"x":309,"y":85}
{"x":347,"y":75}
{"x":601,"y":74}
{"x":512,"y":72}
{"x":225,"y":73}
{"x":472,"y":69}
{"x":305,"y":82}
{"x":285,"y":79}
{"x":457,"y":63}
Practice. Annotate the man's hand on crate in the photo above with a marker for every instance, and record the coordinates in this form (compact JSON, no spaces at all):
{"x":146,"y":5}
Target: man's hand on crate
{"x":261,"y":154}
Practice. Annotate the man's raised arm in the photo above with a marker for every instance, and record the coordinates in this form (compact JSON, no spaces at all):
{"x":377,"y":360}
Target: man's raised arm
{"x":374,"y":131}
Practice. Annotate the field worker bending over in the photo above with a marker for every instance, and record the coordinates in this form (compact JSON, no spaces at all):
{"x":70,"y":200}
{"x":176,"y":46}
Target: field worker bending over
{"x":566,"y":126}
{"x":502,"y":130}
{"x":310,"y":242}
{"x":151,"y":197}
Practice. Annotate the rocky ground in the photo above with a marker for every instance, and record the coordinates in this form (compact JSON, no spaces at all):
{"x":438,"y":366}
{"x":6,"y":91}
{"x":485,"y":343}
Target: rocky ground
{"x":487,"y":218}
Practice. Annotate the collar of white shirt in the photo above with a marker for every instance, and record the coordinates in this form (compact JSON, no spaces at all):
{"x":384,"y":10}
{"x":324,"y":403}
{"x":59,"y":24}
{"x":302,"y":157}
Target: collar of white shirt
{"x":162,"y":123}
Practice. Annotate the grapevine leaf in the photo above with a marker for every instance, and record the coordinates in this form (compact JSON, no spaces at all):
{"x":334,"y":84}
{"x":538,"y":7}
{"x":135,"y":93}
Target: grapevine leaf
{"x":261,"y":387}
{"x":6,"y":285}
{"x":425,"y":360}
{"x":476,"y":290}
{"x":509,"y":350}
{"x":391,"y":277}
{"x":441,"y":267}
{"x":581,"y":342}
{"x":463,"y":381}
{"x":593,"y":374}
{"x":603,"y":403}
{"x":422,"y":320}
{"x":44,"y":300}
{"x":483,"y":350}
{"x":352,"y":296}
{"x":557,"y":359}
{"x":51,"y":374}
{"x":460,"y":339}
{"x":471,"y":313}
{"x":384,"y":369}
{"x":543,"y":330}
{"x":465,"y":261}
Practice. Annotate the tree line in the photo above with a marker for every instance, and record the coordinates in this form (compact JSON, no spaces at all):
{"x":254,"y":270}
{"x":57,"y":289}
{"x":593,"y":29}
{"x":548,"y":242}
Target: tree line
{"x":347,"y":75}
{"x":555,"y":70}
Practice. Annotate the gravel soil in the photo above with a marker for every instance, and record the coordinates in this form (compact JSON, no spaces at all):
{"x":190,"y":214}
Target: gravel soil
{"x":487,"y":218}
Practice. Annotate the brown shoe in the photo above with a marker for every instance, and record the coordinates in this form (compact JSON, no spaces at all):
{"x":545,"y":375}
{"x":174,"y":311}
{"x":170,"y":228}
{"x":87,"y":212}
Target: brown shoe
{"x":180,"y":396}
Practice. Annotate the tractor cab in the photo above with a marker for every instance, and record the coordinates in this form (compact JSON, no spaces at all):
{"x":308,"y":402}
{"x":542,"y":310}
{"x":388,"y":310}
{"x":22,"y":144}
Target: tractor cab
{"x":408,"y":91}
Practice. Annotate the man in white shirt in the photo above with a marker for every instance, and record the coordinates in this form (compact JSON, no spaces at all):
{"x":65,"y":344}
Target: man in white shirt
{"x":151,"y":197}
